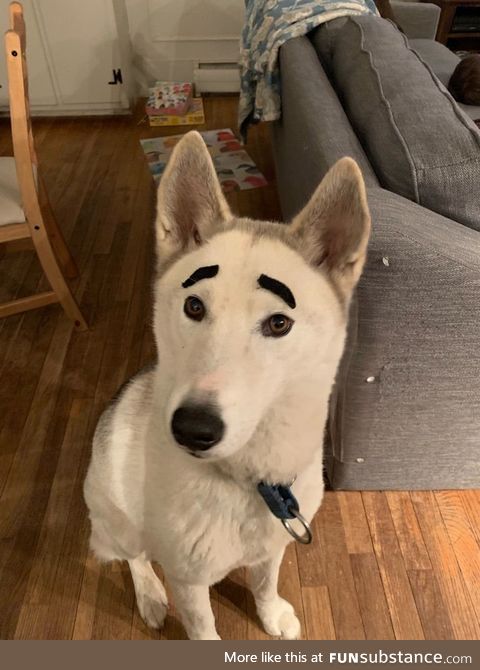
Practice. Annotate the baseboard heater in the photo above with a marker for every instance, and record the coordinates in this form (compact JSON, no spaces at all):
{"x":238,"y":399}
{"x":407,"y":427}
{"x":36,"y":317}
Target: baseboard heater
{"x":216,"y":78}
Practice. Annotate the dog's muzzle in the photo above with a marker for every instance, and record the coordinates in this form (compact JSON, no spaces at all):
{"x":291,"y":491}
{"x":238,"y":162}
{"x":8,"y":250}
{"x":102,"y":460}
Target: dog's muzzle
{"x":197,"y":427}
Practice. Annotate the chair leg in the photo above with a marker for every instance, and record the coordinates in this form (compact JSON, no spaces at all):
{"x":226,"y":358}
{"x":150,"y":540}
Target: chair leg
{"x":57,"y":240}
{"x":53,"y":272}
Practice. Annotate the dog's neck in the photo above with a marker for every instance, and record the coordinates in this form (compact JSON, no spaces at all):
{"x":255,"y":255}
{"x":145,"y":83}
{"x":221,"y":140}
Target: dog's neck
{"x":284,"y":444}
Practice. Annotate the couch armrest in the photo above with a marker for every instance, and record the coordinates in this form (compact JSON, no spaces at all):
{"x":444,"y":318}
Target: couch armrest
{"x":416,"y":339}
{"x":417,"y":19}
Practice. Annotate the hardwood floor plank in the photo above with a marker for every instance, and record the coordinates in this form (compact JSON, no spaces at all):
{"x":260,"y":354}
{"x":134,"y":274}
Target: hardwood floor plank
{"x":229,"y":598}
{"x":464,"y":542}
{"x":414,"y":551}
{"x":85,"y":612}
{"x":371,"y":597}
{"x":25,"y":359}
{"x":114,"y":604}
{"x":431,"y":605}
{"x":471,"y":504}
{"x":26,"y":490}
{"x":357,"y":533}
{"x":68,"y":188}
{"x":445,"y":566}
{"x":289,"y":585}
{"x":87,"y":353}
{"x":405,"y":619}
{"x":120,"y":200}
{"x":312,"y":560}
{"x":318,"y":613}
{"x":42,"y":580}
{"x":330,"y":549}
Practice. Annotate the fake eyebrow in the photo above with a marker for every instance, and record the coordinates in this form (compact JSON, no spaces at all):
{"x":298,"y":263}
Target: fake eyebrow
{"x":202,"y":273}
{"x":278,"y":288}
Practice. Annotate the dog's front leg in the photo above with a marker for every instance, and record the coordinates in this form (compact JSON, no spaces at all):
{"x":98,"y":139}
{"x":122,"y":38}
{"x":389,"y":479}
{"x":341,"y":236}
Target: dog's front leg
{"x":193,"y":605}
{"x":151,"y":596}
{"x":276,"y":614}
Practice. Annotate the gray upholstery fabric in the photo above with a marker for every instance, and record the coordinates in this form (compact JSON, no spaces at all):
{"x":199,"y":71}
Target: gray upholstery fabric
{"x":417,"y":19}
{"x":314,"y":130}
{"x":440,"y":59}
{"x":418,"y":141}
{"x":442,"y":62}
{"x":417,"y":425}
{"x":323,"y":38}
{"x":414,"y":321}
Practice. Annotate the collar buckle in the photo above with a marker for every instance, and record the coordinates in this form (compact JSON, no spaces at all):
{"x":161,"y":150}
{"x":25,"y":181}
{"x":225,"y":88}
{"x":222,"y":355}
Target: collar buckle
{"x":283,"y":504}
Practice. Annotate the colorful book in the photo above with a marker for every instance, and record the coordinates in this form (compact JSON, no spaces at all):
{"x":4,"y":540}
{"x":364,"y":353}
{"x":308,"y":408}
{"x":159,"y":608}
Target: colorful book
{"x":169,"y":98}
{"x":195,"y":116}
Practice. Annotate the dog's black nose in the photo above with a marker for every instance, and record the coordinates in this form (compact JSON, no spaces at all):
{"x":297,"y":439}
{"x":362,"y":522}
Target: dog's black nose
{"x":197,"y":427}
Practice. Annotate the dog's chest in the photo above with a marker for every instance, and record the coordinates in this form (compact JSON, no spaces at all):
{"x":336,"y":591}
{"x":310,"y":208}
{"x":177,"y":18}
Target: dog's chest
{"x":202,"y":539}
{"x":206,"y":531}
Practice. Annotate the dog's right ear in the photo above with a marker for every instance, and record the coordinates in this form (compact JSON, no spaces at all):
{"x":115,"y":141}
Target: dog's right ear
{"x":190,"y":202}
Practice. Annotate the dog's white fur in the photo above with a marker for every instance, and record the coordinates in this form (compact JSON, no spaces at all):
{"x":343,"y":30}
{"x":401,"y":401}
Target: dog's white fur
{"x":149,"y":499}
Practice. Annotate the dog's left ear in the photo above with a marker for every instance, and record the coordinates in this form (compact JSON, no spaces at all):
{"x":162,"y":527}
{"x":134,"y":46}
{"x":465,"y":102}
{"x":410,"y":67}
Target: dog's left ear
{"x":334,"y":227}
{"x":190,"y":202}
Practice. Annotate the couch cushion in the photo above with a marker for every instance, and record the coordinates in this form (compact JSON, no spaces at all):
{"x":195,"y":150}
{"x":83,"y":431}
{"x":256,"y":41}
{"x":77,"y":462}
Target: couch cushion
{"x":419,"y":142}
{"x":442,"y":62}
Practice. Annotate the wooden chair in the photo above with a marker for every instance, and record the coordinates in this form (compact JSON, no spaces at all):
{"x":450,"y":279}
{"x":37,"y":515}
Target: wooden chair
{"x":25,"y":211}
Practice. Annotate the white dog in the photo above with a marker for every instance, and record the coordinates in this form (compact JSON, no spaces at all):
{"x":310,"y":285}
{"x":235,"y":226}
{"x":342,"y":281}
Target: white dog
{"x":250,"y":322}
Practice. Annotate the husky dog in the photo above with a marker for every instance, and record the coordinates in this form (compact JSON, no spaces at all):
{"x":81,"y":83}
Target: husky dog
{"x":250,"y":321}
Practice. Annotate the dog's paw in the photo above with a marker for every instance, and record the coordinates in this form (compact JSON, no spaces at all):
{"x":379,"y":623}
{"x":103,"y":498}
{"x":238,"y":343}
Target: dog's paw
{"x":279,"y":619}
{"x":152,"y":609}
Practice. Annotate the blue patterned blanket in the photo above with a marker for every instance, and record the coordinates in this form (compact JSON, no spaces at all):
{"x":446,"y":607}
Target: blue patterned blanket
{"x":268,"y":24}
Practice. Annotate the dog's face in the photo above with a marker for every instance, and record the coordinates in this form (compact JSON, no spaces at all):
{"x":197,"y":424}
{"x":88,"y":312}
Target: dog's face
{"x":246,"y":312}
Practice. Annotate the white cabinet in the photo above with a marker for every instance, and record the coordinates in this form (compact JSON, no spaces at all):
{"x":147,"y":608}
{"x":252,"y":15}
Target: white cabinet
{"x":78,"y":55}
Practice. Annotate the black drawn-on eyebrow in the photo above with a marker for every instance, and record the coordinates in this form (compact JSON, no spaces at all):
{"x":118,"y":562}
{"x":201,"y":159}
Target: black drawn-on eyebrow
{"x":278,"y":288}
{"x":202,"y":273}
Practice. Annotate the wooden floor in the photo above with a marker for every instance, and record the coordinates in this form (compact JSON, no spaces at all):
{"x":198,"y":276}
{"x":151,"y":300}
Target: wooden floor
{"x":383,"y":565}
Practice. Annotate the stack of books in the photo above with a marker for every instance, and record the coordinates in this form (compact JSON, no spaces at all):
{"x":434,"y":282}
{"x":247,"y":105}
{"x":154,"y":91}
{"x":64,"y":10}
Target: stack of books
{"x":172,"y":104}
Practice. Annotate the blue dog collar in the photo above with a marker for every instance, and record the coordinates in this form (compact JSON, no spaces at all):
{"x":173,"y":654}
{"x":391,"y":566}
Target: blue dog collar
{"x":283,"y":504}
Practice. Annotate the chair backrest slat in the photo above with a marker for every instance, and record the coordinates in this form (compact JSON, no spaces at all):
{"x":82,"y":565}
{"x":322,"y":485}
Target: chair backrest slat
{"x":17,"y":22}
{"x":22,"y":137}
{"x":17,"y":25}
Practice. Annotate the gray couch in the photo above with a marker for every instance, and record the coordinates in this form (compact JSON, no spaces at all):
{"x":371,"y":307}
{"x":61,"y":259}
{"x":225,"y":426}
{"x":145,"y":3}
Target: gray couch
{"x":405,"y":411}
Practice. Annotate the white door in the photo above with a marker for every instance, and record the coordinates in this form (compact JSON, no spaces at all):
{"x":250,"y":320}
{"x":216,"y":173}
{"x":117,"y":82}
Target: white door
{"x":41,"y":87}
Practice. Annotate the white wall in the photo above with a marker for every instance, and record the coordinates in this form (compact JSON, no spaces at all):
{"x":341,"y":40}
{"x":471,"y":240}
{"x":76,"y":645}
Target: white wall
{"x":169,"y":37}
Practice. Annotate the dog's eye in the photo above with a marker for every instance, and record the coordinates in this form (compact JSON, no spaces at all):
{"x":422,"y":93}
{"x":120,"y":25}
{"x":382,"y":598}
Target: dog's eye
{"x":194,"y":308}
{"x":276,"y":325}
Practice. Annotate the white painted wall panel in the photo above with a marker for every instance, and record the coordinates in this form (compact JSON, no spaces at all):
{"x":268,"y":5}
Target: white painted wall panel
{"x":42,"y":91}
{"x":170,"y":37}
{"x":181,"y":20}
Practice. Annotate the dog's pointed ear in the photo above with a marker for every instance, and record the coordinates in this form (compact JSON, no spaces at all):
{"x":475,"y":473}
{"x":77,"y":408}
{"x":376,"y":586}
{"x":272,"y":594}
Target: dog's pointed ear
{"x":334,"y":227}
{"x":190,"y":202}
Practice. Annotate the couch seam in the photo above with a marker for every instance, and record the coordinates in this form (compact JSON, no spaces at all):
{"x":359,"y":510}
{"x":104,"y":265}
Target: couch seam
{"x":416,"y":170}
{"x":388,"y":107}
